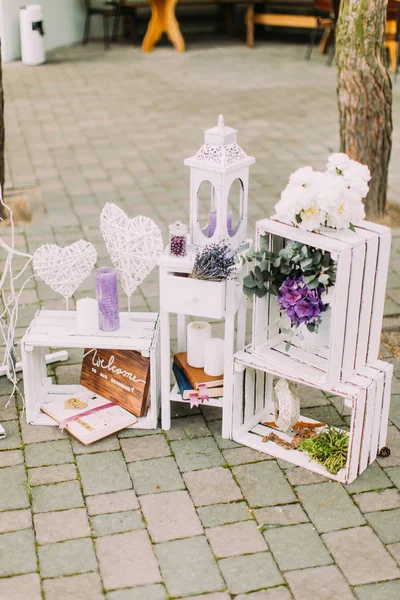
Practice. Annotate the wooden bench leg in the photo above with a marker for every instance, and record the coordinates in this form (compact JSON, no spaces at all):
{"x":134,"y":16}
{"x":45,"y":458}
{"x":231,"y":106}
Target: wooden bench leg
{"x":250,"y":26}
{"x":229,"y":14}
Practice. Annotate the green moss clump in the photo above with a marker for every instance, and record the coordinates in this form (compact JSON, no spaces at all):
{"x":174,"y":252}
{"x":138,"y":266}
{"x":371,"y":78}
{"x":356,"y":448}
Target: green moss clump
{"x":328,"y":448}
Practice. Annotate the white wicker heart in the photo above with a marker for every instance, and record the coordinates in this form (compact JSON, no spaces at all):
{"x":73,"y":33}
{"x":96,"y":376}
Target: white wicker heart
{"x":134,"y":245}
{"x":64,"y":269}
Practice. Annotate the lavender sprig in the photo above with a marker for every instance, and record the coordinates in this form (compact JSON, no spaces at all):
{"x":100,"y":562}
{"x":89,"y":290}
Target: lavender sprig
{"x":214,"y":263}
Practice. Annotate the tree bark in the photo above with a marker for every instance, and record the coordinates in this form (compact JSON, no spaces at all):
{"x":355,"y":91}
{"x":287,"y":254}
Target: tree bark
{"x":1,"y":137}
{"x":365,"y":93}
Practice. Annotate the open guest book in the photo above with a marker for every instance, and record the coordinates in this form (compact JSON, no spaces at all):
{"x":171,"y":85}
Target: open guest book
{"x":88,"y":417}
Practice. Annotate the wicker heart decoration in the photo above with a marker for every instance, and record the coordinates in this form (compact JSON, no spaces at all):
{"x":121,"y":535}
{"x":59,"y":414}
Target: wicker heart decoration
{"x":64,"y":269}
{"x":134,"y":245}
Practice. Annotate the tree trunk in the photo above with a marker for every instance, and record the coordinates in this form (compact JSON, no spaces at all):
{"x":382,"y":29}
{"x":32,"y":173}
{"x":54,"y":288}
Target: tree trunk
{"x":1,"y":137}
{"x":365,"y":93}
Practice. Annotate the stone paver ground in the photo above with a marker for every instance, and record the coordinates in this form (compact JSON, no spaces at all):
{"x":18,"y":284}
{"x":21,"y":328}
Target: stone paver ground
{"x":154,"y":515}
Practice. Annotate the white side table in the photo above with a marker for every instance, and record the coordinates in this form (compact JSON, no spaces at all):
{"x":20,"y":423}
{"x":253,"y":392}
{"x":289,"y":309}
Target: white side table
{"x":208,"y":300}
{"x":57,"y":329}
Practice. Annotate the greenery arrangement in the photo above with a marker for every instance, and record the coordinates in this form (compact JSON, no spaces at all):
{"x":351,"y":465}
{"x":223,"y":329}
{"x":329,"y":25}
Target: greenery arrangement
{"x":329,"y":448}
{"x":298,"y":275}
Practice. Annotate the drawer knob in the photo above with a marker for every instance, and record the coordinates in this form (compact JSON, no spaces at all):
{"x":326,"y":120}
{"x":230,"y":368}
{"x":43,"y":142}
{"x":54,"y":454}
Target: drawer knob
{"x":192,"y":299}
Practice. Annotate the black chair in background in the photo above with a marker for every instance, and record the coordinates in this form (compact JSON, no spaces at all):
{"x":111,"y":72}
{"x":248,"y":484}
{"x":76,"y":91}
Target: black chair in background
{"x":327,"y":16}
{"x":109,"y":9}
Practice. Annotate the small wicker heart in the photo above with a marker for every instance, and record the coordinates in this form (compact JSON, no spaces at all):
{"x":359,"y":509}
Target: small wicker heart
{"x":64,"y":269}
{"x":134,"y":245}
{"x":75,"y":403}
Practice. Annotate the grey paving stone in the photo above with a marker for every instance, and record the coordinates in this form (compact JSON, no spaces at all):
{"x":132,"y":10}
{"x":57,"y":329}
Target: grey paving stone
{"x":297,"y":547}
{"x":67,"y":558}
{"x":51,"y":474}
{"x":116,"y":523}
{"x":21,"y":587}
{"x":235,"y":539}
{"x":329,"y":506}
{"x":127,"y":560}
{"x":324,"y":583}
{"x":17,"y":553}
{"x":374,"y":501}
{"x":213,"y":596}
{"x":276,"y":516}
{"x":394,"y":550}
{"x":155,"y":446}
{"x":394,"y":474}
{"x":361,"y":556}
{"x":170,"y":516}
{"x":198,"y":453}
{"x":222,"y":514}
{"x":215,"y":426}
{"x":156,"y":475}
{"x":389,"y":590}
{"x":103,"y":472}
{"x":276,"y":593}
{"x":188,"y":567}
{"x":40,"y":433}
{"x":187,"y":428}
{"x":49,"y":453}
{"x":146,"y":592}
{"x":58,"y":496}
{"x":109,"y":443}
{"x":112,"y":503}
{"x":255,"y":483}
{"x":250,"y":572}
{"x":15,"y":520}
{"x":212,"y":486}
{"x":9,"y":458}
{"x":311,"y":397}
{"x":78,"y":587}
{"x":127,"y":433}
{"x":393,"y":442}
{"x":59,"y":526}
{"x":243,"y":455}
{"x":13,"y":436}
{"x":386,"y":525}
{"x":14,"y":493}
{"x":373,"y":478}
{"x":299,"y":476}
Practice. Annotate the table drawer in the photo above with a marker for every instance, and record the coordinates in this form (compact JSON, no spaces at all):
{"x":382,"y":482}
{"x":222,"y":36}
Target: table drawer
{"x":183,"y":295}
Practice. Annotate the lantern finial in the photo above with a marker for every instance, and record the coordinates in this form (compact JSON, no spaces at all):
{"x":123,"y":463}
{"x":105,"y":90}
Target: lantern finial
{"x":221,"y":123}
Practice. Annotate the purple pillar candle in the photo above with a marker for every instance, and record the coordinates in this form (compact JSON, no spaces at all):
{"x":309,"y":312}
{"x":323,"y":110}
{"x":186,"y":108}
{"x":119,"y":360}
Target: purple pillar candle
{"x":212,"y":222}
{"x":107,"y":297}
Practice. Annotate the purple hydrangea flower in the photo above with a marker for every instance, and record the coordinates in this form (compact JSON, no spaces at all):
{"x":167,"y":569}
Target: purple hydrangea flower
{"x":300,"y":304}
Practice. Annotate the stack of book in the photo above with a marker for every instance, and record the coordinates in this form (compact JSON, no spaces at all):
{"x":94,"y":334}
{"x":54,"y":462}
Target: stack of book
{"x":189,"y":378}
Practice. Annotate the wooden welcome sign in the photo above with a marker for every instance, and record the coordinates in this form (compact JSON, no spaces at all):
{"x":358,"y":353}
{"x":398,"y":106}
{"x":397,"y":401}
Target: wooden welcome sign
{"x":120,"y":376}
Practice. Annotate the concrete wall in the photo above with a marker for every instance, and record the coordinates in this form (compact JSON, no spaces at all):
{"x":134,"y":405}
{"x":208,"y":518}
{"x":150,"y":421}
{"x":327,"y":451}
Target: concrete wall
{"x":63,"y":24}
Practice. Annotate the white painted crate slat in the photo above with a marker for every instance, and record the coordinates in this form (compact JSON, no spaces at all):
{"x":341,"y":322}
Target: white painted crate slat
{"x":362,"y":393}
{"x":358,"y":323}
{"x":57,"y":329}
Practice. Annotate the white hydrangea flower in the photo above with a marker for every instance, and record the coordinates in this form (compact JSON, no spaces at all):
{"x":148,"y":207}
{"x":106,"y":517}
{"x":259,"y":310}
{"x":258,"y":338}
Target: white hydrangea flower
{"x":302,"y":177}
{"x":355,"y":170}
{"x":337,"y":161}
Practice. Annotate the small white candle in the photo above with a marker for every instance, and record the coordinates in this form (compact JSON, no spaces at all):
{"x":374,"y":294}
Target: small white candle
{"x":198,"y":333}
{"x":214,"y":357}
{"x":87,"y":316}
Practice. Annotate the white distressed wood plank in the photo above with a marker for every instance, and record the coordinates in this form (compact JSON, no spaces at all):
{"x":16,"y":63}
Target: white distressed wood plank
{"x":314,"y":239}
{"x":368,"y":426}
{"x":356,"y":429}
{"x":249,"y":392}
{"x":379,"y":296}
{"x":380,"y":387}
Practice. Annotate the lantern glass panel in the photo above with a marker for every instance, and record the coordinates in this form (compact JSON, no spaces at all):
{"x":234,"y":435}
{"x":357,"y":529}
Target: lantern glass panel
{"x":206,"y":202}
{"x":235,"y":206}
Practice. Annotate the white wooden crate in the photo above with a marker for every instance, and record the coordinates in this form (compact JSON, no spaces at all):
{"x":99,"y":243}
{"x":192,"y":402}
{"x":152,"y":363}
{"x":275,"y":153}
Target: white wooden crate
{"x":355,"y":331}
{"x":253,"y":405}
{"x":57,"y":329}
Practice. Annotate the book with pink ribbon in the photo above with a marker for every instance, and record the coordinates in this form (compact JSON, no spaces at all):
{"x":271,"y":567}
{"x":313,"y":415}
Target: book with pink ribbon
{"x":88,"y":417}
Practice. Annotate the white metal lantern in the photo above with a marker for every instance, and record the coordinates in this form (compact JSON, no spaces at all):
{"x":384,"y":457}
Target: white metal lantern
{"x":220,"y":161}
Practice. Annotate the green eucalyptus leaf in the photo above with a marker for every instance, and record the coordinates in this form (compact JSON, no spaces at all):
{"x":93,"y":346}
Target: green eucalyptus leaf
{"x":313,"y":285}
{"x":307,"y":262}
{"x":316,"y":257}
{"x":309,"y":278}
{"x":324,"y":279}
{"x":311,"y":327}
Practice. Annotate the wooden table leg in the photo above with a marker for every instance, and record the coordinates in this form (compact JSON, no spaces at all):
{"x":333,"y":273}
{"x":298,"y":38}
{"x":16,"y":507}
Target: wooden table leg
{"x":163,"y":20}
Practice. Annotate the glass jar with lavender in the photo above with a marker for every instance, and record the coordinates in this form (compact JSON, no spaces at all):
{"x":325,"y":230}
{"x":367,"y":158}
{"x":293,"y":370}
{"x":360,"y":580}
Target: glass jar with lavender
{"x":178,"y":238}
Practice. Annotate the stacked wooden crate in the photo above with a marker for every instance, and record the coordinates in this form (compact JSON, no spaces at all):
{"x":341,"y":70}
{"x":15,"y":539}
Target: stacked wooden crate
{"x":348,"y":366}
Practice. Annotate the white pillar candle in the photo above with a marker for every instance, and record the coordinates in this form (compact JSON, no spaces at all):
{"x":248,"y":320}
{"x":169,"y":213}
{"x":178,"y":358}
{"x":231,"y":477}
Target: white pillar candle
{"x":214,"y":357}
{"x":198,"y":333}
{"x":87,"y":316}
